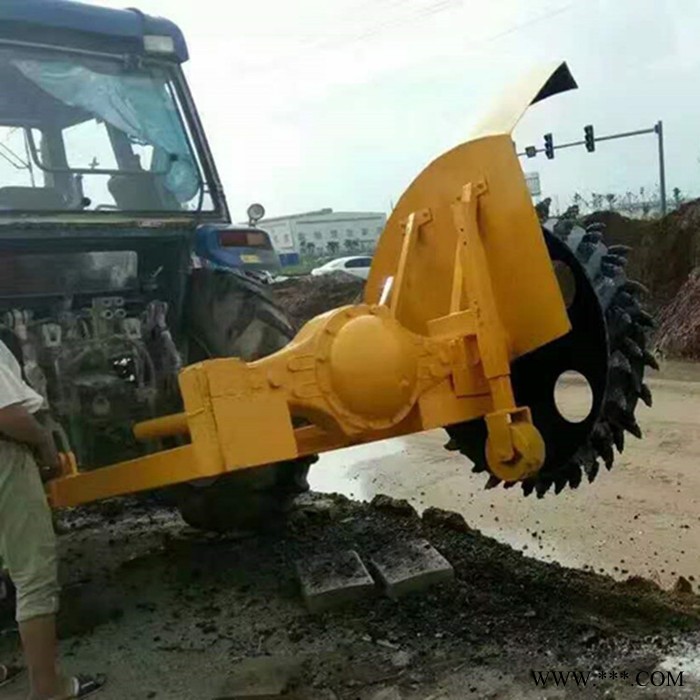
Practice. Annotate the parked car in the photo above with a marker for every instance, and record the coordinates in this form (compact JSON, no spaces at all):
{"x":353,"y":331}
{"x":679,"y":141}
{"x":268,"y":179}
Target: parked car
{"x":357,"y":265}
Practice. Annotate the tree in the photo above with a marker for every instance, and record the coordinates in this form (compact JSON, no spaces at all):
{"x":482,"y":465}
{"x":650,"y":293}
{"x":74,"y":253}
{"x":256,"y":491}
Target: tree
{"x":610,"y":197}
{"x":333,"y":247}
{"x":677,"y":196}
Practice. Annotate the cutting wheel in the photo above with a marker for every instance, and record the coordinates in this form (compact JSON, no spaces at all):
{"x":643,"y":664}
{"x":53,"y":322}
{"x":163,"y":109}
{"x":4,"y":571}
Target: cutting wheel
{"x":606,"y":349}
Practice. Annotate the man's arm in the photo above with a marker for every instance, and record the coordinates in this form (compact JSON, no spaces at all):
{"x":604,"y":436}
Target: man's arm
{"x":19,"y":425}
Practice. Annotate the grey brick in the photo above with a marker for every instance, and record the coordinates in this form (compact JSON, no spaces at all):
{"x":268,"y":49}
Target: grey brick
{"x":410,"y":566}
{"x":330,"y":581}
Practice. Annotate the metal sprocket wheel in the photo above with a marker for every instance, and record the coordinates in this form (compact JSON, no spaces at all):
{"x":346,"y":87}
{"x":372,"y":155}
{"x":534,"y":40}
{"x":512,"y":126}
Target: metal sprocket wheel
{"x":607,"y":345}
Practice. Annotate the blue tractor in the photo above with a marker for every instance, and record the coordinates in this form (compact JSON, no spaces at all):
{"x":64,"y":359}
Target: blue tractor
{"x":118,"y":259}
{"x":246,"y":248}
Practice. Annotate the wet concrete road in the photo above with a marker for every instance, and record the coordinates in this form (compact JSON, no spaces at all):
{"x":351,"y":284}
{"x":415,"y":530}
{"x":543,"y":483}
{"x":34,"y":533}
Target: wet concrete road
{"x":641,"y":518}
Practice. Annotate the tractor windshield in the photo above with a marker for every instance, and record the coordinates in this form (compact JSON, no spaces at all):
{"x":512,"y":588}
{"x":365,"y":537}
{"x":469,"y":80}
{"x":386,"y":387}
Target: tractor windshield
{"x":80,"y":133}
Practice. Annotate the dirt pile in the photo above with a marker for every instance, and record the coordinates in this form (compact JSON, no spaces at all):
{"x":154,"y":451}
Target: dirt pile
{"x":181,"y":607}
{"x":302,"y":298}
{"x":679,"y":322}
{"x":664,"y":251}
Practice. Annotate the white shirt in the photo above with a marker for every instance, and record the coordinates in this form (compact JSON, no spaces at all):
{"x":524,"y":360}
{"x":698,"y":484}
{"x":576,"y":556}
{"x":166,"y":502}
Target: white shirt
{"x":13,"y":389}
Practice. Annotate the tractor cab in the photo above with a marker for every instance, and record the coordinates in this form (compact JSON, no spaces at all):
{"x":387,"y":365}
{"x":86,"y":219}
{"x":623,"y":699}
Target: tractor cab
{"x":110,"y":203}
{"x":97,"y":125}
{"x":96,"y":118}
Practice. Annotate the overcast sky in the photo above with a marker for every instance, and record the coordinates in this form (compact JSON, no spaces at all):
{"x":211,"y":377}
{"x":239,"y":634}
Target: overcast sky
{"x":340,"y":103}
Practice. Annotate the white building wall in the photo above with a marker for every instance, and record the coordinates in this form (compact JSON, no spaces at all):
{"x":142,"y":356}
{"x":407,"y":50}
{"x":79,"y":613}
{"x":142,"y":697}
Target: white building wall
{"x":331,"y":234}
{"x":281,"y":234}
{"x":328,"y":232}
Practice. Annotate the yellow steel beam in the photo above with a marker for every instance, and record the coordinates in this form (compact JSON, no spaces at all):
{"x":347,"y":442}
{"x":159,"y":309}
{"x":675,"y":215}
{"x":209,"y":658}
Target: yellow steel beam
{"x":142,"y":474}
{"x":165,"y":426}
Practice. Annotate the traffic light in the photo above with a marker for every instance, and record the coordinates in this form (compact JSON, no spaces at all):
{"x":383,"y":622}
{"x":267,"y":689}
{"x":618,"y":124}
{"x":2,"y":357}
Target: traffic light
{"x":530,"y":151}
{"x":590,"y":138}
{"x":549,"y":146}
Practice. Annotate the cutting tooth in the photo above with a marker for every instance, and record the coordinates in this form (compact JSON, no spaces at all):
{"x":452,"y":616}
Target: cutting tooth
{"x":615,"y":259}
{"x":634,"y":428}
{"x":509,"y":484}
{"x":592,"y":237}
{"x":650,"y":360}
{"x":623,"y":417}
{"x":492,"y":482}
{"x":585,"y":250}
{"x":592,"y":470}
{"x":563,"y":228}
{"x":634,"y":287}
{"x":645,"y":319}
{"x":528,"y":486}
{"x":542,"y":486}
{"x":645,"y":394}
{"x":602,"y":441}
{"x":629,"y":423}
{"x":595,"y":226}
{"x":452,"y":445}
{"x":627,"y":301}
{"x":618,"y":437}
{"x":631,"y":349}
{"x":620,"y":362}
{"x":623,"y":319}
{"x":478,"y":468}
{"x":616,"y":401}
{"x":621,"y":250}
{"x":610,"y":270}
{"x":560,"y":482}
{"x":575,"y":476}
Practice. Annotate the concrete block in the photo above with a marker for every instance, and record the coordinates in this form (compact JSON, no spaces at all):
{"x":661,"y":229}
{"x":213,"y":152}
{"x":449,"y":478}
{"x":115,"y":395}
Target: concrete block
{"x":410,"y":566}
{"x":330,"y":581}
{"x":262,"y":678}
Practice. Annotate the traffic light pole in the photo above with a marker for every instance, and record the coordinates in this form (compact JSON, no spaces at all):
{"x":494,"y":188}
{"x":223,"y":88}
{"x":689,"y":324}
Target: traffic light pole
{"x":657,"y":129}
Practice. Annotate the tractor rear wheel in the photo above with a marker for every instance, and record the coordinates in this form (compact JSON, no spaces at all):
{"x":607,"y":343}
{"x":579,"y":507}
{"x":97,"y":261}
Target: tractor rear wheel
{"x":229,"y":315}
{"x":607,"y":345}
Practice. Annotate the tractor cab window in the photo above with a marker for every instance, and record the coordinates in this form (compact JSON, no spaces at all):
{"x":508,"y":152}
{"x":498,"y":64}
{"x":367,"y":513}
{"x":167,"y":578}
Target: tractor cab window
{"x":15,"y":161}
{"x":79,"y":133}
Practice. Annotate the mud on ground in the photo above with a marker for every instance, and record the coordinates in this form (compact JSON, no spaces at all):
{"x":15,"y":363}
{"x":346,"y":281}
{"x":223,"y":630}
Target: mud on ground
{"x":169,"y":612}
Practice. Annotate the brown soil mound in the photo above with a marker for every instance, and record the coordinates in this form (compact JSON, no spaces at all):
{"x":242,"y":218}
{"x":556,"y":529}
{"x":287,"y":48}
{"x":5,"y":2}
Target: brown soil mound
{"x":302,"y":298}
{"x":679,"y":321}
{"x":664,"y":251}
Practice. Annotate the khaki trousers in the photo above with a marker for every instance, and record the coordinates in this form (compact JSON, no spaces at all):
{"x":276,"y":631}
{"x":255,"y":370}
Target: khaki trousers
{"x":27,"y":539}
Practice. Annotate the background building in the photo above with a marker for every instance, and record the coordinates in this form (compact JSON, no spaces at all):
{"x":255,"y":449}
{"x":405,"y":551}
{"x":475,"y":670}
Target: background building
{"x":324,"y":233}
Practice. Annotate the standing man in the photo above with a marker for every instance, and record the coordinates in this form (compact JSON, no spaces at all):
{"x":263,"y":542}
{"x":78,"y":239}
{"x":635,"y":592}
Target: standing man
{"x":27,"y":540}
